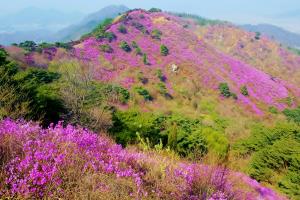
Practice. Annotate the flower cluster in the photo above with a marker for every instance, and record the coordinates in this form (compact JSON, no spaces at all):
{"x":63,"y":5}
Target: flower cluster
{"x":42,"y":163}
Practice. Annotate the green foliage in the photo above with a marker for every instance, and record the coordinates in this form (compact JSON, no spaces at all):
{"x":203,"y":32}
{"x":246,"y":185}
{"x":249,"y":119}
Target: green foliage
{"x":294,"y":50}
{"x":28,"y":45}
{"x":155,"y":10}
{"x":138,"y":51}
{"x":128,"y":124}
{"x":257,"y":35}
{"x":273,"y":110}
{"x":142,"y":78}
{"x":122,"y":93}
{"x":122,"y":29}
{"x":200,"y":20}
{"x":234,"y":96}
{"x":106,"y":48}
{"x":224,"y":89}
{"x":156,"y":34}
{"x":28,"y":94}
{"x":164,"y":51}
{"x":275,"y":153}
{"x":145,"y":59}
{"x":244,"y":90}
{"x":63,"y":45}
{"x":125,"y":46}
{"x":143,"y":92}
{"x":160,"y":75}
{"x":134,"y":44}
{"x":101,"y":33}
{"x":188,"y":137}
{"x":293,"y":114}
{"x":139,"y":27}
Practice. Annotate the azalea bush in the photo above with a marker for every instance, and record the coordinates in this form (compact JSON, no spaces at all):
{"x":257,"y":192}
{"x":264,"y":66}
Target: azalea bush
{"x":74,"y":163}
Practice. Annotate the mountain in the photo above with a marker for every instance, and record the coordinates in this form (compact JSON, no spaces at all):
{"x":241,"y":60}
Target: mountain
{"x":281,"y":35}
{"x":177,"y":84}
{"x":75,"y":31}
{"x":34,"y":24}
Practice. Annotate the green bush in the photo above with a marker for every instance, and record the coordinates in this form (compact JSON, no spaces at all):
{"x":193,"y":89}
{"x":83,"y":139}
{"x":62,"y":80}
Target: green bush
{"x":275,"y":153}
{"x":28,"y":94}
{"x":28,"y":45}
{"x":273,"y":110}
{"x":257,"y":35}
{"x":125,"y":46}
{"x":293,"y":114}
{"x":134,"y":44}
{"x":145,"y":59}
{"x":234,"y":96}
{"x":164,"y":51}
{"x":138,"y":51}
{"x":140,"y":27}
{"x":244,"y":90}
{"x":101,"y":33}
{"x":143,"y":92}
{"x":156,"y":34}
{"x":122,"y":93}
{"x":224,"y":89}
{"x":155,"y":10}
{"x":106,"y":48}
{"x":160,"y":75}
{"x":122,"y":29}
{"x":127,"y":124}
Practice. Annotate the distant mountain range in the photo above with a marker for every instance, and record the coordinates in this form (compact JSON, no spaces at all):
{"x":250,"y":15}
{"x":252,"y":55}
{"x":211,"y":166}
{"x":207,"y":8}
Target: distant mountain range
{"x":50,"y":25}
{"x":74,"y":32}
{"x":281,"y":35}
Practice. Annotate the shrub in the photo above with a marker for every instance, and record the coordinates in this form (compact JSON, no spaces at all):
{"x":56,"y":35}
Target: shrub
{"x":119,"y":92}
{"x":244,"y":90}
{"x":257,"y":35}
{"x":234,"y":96}
{"x":139,"y":27}
{"x":145,"y":59}
{"x":224,"y":89}
{"x":160,"y":75}
{"x":134,"y":44}
{"x":106,"y":48}
{"x":138,"y":51}
{"x":127,"y":124}
{"x":122,"y":29}
{"x":156,"y":34}
{"x":124,"y":45}
{"x":273,"y":110}
{"x":155,"y":10}
{"x":164,"y":51}
{"x":293,"y":114}
{"x":101,"y":33}
{"x":28,"y":45}
{"x":275,"y":153}
{"x":162,"y":88}
{"x":141,"y":78}
{"x":110,"y":36}
{"x":143,"y":92}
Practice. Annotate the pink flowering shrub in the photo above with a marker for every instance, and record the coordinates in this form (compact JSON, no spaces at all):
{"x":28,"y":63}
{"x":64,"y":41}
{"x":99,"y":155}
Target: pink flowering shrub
{"x":73,"y":163}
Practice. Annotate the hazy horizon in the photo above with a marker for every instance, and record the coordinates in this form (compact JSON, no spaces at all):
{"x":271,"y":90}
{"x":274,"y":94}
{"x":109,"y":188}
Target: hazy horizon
{"x":277,"y":12}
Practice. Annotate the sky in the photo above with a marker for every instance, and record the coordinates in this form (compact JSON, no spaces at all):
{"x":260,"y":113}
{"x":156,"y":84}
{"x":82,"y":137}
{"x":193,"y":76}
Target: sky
{"x":285,"y":13}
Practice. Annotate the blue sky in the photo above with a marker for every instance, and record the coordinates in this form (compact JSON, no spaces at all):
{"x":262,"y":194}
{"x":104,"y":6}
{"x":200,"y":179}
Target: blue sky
{"x":285,"y":13}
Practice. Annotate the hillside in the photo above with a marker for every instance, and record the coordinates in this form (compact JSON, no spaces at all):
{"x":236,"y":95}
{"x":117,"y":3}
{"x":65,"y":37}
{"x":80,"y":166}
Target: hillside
{"x":179,"y":87}
{"x":283,"y":36}
{"x":194,"y":57}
